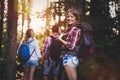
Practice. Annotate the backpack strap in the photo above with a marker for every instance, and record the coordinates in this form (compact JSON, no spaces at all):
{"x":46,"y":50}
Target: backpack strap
{"x":34,"y":48}
{"x":53,"y":38}
{"x":30,"y":41}
{"x":32,"y":53}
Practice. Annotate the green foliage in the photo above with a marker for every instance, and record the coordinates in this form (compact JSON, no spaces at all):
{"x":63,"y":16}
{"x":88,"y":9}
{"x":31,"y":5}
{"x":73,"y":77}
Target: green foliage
{"x":41,"y":39}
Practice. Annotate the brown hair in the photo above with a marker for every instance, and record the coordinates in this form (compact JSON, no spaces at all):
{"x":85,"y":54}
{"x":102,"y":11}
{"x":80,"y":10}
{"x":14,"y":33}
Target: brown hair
{"x":55,"y":28}
{"x":75,"y":12}
{"x":29,"y":34}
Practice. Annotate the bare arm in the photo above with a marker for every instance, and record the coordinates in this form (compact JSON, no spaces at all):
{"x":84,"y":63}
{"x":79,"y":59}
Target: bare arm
{"x":60,"y":38}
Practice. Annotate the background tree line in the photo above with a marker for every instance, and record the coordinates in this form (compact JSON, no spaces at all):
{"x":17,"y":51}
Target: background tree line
{"x":106,"y":29}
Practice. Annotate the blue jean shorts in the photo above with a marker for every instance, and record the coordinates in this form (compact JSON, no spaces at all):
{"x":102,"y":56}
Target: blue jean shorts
{"x":50,"y":65}
{"x":70,"y":60}
{"x":31,"y":63}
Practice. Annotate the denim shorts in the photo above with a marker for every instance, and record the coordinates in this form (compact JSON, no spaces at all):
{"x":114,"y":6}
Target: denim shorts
{"x":70,"y":60}
{"x":51,"y":65}
{"x":31,"y":63}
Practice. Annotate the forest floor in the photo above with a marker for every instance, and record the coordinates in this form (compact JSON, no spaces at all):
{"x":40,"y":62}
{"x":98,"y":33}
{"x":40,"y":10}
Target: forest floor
{"x":93,"y":67}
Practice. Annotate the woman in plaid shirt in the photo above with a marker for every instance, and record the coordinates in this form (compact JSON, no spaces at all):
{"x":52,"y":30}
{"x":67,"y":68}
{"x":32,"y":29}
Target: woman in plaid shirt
{"x":70,"y":60}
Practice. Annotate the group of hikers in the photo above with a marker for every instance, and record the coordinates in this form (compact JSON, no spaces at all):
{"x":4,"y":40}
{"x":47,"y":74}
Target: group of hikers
{"x":68,"y":41}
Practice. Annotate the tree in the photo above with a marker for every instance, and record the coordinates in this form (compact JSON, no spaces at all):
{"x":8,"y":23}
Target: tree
{"x":1,"y":23}
{"x":12,"y":39}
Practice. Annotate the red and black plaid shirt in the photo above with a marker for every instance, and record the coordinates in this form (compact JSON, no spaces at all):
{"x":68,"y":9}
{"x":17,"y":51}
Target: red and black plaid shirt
{"x":73,"y":36}
{"x":48,"y":42}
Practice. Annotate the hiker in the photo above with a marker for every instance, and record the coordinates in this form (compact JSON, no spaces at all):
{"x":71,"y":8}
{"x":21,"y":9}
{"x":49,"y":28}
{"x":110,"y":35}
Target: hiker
{"x":31,"y":64}
{"x":69,"y":39}
{"x":48,"y":62}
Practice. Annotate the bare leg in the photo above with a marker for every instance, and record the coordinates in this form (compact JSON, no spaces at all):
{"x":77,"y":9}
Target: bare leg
{"x":55,"y":77}
{"x":71,"y":72}
{"x":45,"y":77}
{"x":31,"y":73}
{"x":26,"y":73}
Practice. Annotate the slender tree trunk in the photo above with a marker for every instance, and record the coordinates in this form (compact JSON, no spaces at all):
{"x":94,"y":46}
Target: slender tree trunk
{"x":96,"y":8}
{"x":1,"y":23}
{"x":23,"y":16}
{"x":28,"y":13}
{"x":12,"y":39}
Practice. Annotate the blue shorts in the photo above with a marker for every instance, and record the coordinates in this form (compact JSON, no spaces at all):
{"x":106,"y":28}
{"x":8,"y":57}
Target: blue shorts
{"x":70,"y":60}
{"x":51,"y":65}
{"x":31,"y":63}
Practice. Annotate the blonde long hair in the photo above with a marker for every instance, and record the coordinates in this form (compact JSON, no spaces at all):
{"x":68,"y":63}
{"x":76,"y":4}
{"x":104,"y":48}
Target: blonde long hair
{"x":29,"y":34}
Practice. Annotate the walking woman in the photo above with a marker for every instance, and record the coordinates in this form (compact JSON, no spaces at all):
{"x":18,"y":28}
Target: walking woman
{"x":70,"y":60}
{"x":31,"y":64}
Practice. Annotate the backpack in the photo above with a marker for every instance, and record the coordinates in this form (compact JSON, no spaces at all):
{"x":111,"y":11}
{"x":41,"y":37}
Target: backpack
{"x":24,"y":52}
{"x":55,"y":49}
{"x":86,"y":42}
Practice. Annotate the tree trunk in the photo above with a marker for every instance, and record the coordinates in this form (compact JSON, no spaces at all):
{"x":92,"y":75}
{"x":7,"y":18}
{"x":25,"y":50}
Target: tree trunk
{"x":1,"y":23}
{"x":12,"y":39}
{"x":96,"y":8}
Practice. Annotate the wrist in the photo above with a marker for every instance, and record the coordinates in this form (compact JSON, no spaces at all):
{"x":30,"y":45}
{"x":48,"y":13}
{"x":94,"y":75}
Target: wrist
{"x":59,"y":39}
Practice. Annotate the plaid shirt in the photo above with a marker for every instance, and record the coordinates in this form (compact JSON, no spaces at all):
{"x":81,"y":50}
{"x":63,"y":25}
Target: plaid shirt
{"x":73,"y":36}
{"x":48,"y":42}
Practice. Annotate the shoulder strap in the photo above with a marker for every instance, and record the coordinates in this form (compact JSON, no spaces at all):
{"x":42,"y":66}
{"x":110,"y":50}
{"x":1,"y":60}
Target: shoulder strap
{"x":53,"y":38}
{"x":30,"y":41}
{"x":32,"y":53}
{"x":34,"y":48}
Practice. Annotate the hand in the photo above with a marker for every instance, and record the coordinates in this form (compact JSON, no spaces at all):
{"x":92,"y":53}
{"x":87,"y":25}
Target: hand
{"x":41,"y":61}
{"x":61,"y":35}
